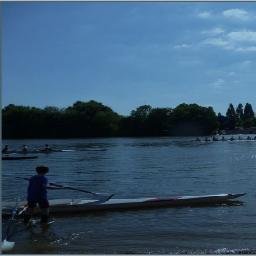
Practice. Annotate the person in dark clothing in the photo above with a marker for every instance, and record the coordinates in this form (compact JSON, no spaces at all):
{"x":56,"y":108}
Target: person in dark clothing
{"x":37,"y":194}
{"x":24,"y":149}
{"x":5,"y":149}
{"x":46,"y":148}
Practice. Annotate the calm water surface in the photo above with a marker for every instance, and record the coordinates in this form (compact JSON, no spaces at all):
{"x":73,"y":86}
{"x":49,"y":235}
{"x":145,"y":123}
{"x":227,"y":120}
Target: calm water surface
{"x":135,"y":167}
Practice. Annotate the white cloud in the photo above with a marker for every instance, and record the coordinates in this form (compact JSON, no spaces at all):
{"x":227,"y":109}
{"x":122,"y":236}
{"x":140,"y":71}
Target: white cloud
{"x":216,"y":42}
{"x":242,"y":36}
{"x":246,"y":63}
{"x":246,"y":49}
{"x":240,"y":41}
{"x":239,"y":14}
{"x":182,"y":46}
{"x":231,"y":73}
{"x":204,"y":15}
{"x":213,"y":32}
{"x":219,"y":83}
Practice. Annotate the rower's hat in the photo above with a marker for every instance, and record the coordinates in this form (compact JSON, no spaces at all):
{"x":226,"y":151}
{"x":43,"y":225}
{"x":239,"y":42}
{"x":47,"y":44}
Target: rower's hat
{"x":42,"y":169}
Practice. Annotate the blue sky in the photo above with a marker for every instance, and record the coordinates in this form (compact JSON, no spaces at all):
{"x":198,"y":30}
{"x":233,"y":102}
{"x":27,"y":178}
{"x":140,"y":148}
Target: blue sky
{"x":129,"y":54}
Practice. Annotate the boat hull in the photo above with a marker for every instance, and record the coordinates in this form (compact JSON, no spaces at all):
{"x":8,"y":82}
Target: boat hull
{"x":18,"y":157}
{"x":67,"y":206}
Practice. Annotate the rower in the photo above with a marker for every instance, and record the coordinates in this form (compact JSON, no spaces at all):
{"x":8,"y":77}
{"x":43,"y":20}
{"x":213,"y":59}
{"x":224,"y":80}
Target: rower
{"x":214,"y":138}
{"x":24,"y":149}
{"x":249,"y":138}
{"x":223,"y":138}
{"x":5,"y":149}
{"x":37,"y":194}
{"x":46,"y":148}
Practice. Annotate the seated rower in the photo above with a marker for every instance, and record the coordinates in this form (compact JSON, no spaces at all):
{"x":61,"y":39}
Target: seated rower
{"x":249,"y":138}
{"x":5,"y":149}
{"x":223,"y":138}
{"x":214,"y":138}
{"x":46,"y":148}
{"x":24,"y":149}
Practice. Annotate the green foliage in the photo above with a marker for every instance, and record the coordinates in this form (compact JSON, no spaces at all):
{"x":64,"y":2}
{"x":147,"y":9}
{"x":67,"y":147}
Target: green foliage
{"x":159,"y":121}
{"x":93,"y":119}
{"x":83,"y":119}
{"x":241,"y":118}
{"x":248,"y":111}
{"x":240,"y":111}
{"x":231,"y":117}
{"x":193,"y":119}
{"x":182,"y":121}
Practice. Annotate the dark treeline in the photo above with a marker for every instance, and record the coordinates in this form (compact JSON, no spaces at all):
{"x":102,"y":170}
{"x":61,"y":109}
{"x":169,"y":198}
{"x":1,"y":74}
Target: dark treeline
{"x":241,"y":117}
{"x":93,"y":119}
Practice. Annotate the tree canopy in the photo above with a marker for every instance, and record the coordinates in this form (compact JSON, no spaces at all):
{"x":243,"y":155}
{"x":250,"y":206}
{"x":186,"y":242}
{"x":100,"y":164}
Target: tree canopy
{"x":93,"y":119}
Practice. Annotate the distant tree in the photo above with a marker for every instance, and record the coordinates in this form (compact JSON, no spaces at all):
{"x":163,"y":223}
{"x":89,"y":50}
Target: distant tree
{"x":231,"y":117}
{"x":83,"y":119}
{"x":248,"y":111}
{"x":141,"y":112}
{"x":239,"y":115}
{"x":139,"y":120}
{"x":249,"y":117}
{"x":193,"y":119}
{"x":222,"y":121}
{"x":159,"y":121}
{"x":51,"y":109}
{"x":93,"y":119}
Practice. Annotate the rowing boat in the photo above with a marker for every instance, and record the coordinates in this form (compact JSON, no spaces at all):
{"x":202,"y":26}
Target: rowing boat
{"x":18,"y":157}
{"x":36,"y":151}
{"x":63,"y":206}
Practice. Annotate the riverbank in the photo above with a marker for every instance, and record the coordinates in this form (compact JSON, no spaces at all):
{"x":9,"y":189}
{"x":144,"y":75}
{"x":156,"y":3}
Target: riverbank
{"x":239,"y":130}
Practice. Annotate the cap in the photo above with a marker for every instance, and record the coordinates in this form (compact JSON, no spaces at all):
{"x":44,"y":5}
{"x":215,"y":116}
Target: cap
{"x":42,"y":169}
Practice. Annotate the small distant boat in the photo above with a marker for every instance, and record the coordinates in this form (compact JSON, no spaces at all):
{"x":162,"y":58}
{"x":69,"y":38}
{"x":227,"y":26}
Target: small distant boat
{"x":18,"y":157}
{"x":36,"y":151}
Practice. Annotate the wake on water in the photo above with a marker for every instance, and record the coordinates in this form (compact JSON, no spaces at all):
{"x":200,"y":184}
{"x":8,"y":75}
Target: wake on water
{"x":235,"y":251}
{"x":218,"y":251}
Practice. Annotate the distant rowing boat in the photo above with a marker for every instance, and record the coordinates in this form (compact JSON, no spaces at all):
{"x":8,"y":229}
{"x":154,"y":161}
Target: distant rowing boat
{"x":18,"y":157}
{"x":67,"y":206}
{"x":35,"y":151}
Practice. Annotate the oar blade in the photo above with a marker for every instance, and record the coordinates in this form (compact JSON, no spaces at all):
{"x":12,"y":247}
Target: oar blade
{"x":104,"y":197}
{"x":7,"y":246}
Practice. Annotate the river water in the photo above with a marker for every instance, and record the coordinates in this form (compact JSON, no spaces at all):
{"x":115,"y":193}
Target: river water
{"x":142,"y":167}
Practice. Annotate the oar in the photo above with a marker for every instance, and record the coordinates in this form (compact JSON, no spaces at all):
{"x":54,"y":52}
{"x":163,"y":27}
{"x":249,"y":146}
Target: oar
{"x":106,"y":197}
{"x":81,"y":190}
{"x":7,"y":245}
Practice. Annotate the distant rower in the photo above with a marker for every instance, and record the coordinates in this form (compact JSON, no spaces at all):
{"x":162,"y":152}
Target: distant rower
{"x":214,"y":138}
{"x":46,"y":148}
{"x":5,"y":149}
{"x":24,"y":149}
